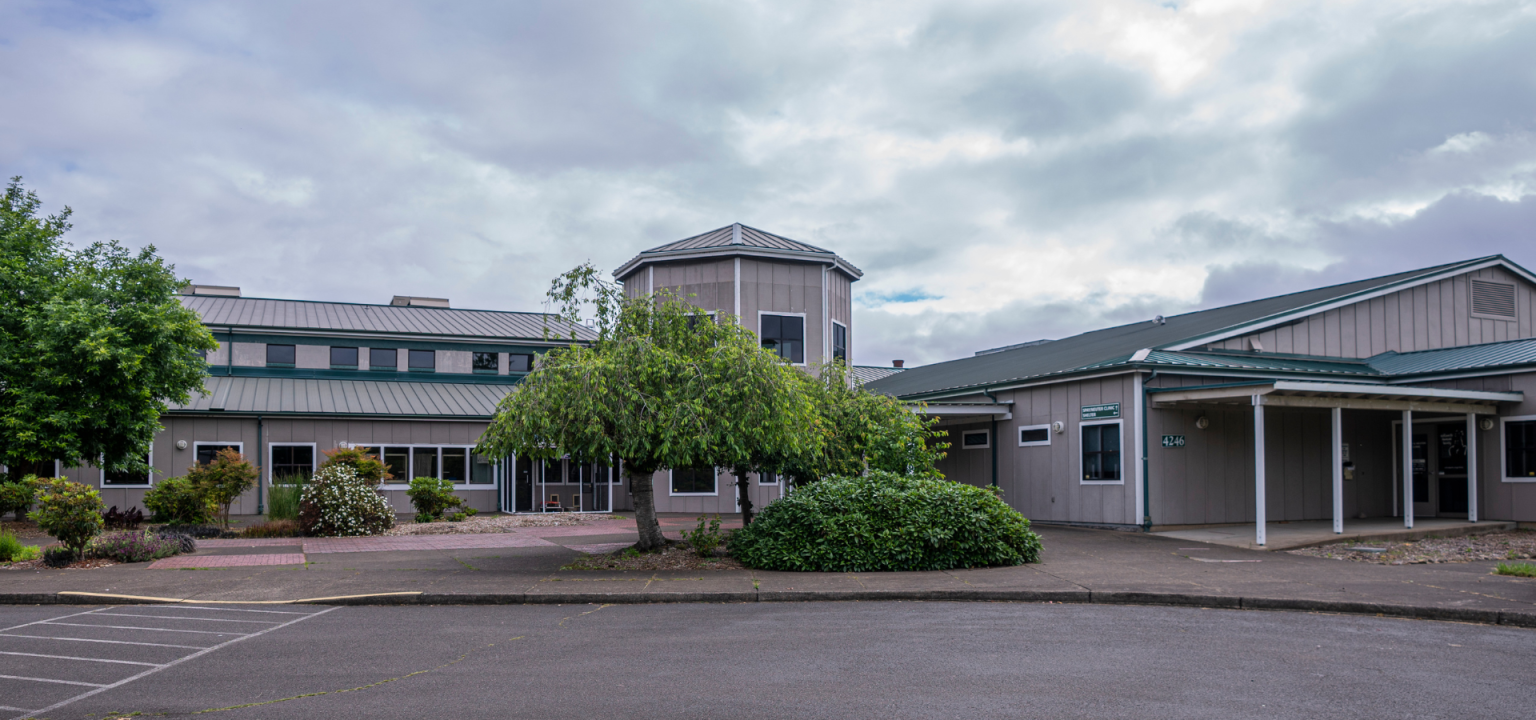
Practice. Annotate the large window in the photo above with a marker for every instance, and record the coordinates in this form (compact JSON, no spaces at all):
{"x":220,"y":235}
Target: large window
{"x":290,"y":462}
{"x":203,"y":453}
{"x":1101,"y":452}
{"x":423,"y":360}
{"x":487,"y":363}
{"x":455,"y":463}
{"x":128,"y":478}
{"x":839,"y":342}
{"x":280,"y":355}
{"x":343,"y":358}
{"x":1520,"y":449}
{"x":519,"y":362}
{"x":423,"y":462}
{"x":783,"y":335}
{"x":40,"y":468}
{"x":383,"y":359}
{"x":553,"y":472}
{"x":693,"y":481}
{"x":482,"y":470}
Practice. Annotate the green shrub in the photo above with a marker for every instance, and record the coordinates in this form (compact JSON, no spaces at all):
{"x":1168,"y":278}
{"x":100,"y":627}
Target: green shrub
{"x":458,"y":517}
{"x":422,"y":517}
{"x":885,"y":521}
{"x":58,"y":556}
{"x":68,"y":511}
{"x":224,"y":479}
{"x":432,"y":497}
{"x":368,"y":467}
{"x":177,"y":501}
{"x":703,"y":540}
{"x":16,"y":496}
{"x":133,"y":547}
{"x":283,"y":502}
{"x":10,"y":547}
{"x":28,"y":553}
{"x":338,"y":503}
{"x":1516,"y":569}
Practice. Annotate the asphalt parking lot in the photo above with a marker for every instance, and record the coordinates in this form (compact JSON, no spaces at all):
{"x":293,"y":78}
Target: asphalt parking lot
{"x":921,"y":660}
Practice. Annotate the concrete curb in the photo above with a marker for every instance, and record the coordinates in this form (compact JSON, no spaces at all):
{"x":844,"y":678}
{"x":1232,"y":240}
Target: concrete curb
{"x":1228,"y":602}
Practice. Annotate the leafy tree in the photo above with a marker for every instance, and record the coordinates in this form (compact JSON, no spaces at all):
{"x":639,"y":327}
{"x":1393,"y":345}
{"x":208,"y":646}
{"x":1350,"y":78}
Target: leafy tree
{"x":638,"y":392}
{"x":68,"y":511}
{"x":16,"y":496}
{"x":224,"y":479}
{"x":93,"y":343}
{"x":864,"y":431}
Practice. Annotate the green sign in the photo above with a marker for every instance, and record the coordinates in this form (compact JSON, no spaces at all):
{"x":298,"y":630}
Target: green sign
{"x":1101,"y":412}
{"x":1173,"y":441}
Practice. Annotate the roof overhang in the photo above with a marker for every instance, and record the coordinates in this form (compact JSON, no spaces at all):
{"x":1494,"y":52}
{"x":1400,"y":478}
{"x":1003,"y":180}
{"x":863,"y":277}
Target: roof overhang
{"x":965,"y":411}
{"x":1350,"y":396}
{"x":646,"y":258}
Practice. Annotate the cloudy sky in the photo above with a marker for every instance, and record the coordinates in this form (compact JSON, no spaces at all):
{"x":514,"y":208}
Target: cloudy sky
{"x":1001,"y":171}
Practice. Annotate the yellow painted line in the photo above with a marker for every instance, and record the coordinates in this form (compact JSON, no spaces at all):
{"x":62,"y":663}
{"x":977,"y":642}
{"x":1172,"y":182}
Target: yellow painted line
{"x":112,"y":596}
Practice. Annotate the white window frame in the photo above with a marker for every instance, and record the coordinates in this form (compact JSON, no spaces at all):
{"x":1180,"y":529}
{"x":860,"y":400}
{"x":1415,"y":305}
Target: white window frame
{"x":805,"y":341}
{"x":149,"y":479}
{"x":716,"y":493}
{"x":777,"y":480}
{"x":314,"y":457}
{"x":832,"y":350}
{"x":495,"y":482}
{"x":1079,"y":449}
{"x":1504,"y":456}
{"x":984,"y":446}
{"x":238,"y":446}
{"x":1045,"y":443}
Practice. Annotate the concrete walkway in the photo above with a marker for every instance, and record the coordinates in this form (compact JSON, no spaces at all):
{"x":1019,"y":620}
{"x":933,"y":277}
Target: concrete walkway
{"x":1292,"y":535}
{"x":1078,"y":565}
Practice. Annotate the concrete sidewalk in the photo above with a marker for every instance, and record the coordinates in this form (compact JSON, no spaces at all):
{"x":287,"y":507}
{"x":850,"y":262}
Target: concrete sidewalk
{"x":1078,"y":565}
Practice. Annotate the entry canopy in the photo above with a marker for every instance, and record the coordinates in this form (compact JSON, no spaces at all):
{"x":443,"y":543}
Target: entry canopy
{"x":1350,"y":396}
{"x":965,"y":411}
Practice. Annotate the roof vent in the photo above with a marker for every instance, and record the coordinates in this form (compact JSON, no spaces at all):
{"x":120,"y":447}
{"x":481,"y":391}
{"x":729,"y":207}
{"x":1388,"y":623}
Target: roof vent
{"x":1494,"y":299}
{"x":1159,"y":320}
{"x":215,"y":290}
{"x":1254,"y":345}
{"x":411,"y":301}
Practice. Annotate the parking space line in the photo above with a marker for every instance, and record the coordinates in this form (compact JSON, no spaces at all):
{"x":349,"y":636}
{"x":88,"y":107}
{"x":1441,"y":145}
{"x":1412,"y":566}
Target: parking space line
{"x":8,"y":707}
{"x":39,"y":622}
{"x":274,"y":612}
{"x":94,"y":640}
{"x":178,"y":617}
{"x":135,"y":627}
{"x":61,"y":682}
{"x":83,"y":659}
{"x":170,"y":664}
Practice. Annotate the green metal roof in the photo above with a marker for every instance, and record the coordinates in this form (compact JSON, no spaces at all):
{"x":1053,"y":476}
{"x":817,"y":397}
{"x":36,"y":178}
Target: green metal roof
{"x":1510,"y":353}
{"x":301,"y":396}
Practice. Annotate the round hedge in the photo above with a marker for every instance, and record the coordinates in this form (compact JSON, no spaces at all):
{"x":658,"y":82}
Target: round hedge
{"x":884,"y":521}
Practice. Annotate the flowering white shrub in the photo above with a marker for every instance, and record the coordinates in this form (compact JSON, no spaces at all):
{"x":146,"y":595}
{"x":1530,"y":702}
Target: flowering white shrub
{"x":338,"y":503}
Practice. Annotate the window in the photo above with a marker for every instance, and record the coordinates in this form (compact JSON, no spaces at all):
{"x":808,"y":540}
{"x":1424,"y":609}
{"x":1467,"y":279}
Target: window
{"x":423,"y":360}
{"x":481,"y":470}
{"x":202,"y":453}
{"x":423,"y":462}
{"x":398,"y":459}
{"x":383,"y":359}
{"x":202,"y":353}
{"x":280,"y":355}
{"x":41,"y":468}
{"x":456,"y":465}
{"x":839,"y":341}
{"x":290,"y":462}
{"x":519,"y":363}
{"x":1034,"y":435}
{"x":783,"y":335}
{"x":1101,"y":452}
{"x":693,"y":481}
{"x":343,"y":358}
{"x":767,"y":477}
{"x":1520,"y":449}
{"x":487,"y":363}
{"x":128,"y":478}
{"x":975,"y":439}
{"x":553,"y":472}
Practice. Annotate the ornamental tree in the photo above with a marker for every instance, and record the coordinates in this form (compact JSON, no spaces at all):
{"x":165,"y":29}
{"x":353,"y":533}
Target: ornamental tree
{"x":864,"y":431}
{"x":69,"y":511}
{"x":93,"y":343}
{"x":224,"y":479}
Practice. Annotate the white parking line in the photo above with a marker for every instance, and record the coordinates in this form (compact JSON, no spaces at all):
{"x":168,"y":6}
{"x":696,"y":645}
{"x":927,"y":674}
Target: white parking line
{"x":135,"y":627}
{"x":8,"y":707}
{"x":71,"y":657}
{"x":61,"y":682}
{"x":39,"y":622}
{"x":94,"y":640}
{"x":173,"y":663}
{"x":274,"y":612}
{"x":179,"y":617}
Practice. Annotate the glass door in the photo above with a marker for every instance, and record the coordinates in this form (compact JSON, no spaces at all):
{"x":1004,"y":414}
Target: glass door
{"x":1423,"y":489}
{"x":1451,"y":469}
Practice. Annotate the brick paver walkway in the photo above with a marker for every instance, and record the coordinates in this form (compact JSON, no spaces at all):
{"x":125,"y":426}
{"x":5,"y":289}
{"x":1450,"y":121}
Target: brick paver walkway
{"x":513,"y":538}
{"x":207,"y":561}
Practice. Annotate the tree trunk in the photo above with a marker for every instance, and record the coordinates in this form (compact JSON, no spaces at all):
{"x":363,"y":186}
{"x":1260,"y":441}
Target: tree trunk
{"x":744,"y":496}
{"x":641,"y":490}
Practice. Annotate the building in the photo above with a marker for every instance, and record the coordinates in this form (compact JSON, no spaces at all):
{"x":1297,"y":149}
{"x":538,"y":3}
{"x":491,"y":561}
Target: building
{"x":1398,"y":396}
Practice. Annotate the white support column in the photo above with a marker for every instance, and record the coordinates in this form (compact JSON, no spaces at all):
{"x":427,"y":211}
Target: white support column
{"x":1407,"y":461}
{"x":1258,"y":469}
{"x":1338,"y":470}
{"x":1471,"y":467}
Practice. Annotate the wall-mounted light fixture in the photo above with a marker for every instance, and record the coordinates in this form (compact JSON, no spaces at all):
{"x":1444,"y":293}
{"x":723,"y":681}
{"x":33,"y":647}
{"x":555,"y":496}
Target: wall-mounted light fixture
{"x":1059,"y":427}
{"x":181,"y":444}
{"x":1486,"y":424}
{"x":1203,"y":422}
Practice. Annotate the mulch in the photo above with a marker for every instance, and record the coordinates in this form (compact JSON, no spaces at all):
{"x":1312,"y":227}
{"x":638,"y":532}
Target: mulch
{"x":672,"y":557}
{"x":1515,"y":545}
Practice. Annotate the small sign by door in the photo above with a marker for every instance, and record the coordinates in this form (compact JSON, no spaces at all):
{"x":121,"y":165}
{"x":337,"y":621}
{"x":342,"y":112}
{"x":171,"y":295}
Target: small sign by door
{"x":1101,"y":412}
{"x":1173,"y":441}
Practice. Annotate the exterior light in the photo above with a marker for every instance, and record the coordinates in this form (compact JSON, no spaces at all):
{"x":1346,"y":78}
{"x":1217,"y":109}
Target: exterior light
{"x":1203,"y":422}
{"x":181,"y":444}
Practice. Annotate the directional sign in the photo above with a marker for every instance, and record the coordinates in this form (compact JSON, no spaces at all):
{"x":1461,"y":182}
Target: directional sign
{"x":1173,"y":441}
{"x":1101,"y":412}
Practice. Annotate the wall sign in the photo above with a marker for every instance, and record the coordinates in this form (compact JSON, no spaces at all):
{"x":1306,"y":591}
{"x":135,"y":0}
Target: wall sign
{"x":1101,"y":412}
{"x":1173,"y":441}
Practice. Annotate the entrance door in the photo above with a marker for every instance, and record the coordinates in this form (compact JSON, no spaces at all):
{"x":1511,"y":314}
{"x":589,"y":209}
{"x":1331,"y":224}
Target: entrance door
{"x":1423,"y":489}
{"x":1451,"y":469}
{"x":523,"y":482}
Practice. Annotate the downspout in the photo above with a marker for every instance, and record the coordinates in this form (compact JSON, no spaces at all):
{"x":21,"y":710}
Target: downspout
{"x":1146,"y":467}
{"x":993,"y":436}
{"x":261,"y":508}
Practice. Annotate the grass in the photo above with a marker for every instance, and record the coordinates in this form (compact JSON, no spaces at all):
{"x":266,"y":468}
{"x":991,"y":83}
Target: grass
{"x":1526,"y":570}
{"x":283,"y":502}
{"x":14,"y":550}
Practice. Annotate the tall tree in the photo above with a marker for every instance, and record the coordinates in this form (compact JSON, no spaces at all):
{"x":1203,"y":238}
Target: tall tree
{"x":865,"y":431}
{"x":93,"y":343}
{"x":638,"y":392}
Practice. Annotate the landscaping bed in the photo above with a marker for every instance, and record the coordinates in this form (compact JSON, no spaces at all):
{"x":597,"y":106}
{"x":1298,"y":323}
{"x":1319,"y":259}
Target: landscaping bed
{"x":1515,"y":545}
{"x":676,"y":556}
{"x":484,"y":524}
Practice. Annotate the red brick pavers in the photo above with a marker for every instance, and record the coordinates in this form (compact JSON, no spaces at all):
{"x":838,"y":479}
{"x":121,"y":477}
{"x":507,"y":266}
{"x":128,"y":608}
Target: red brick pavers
{"x":209,"y":561}
{"x":517,"y":537}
